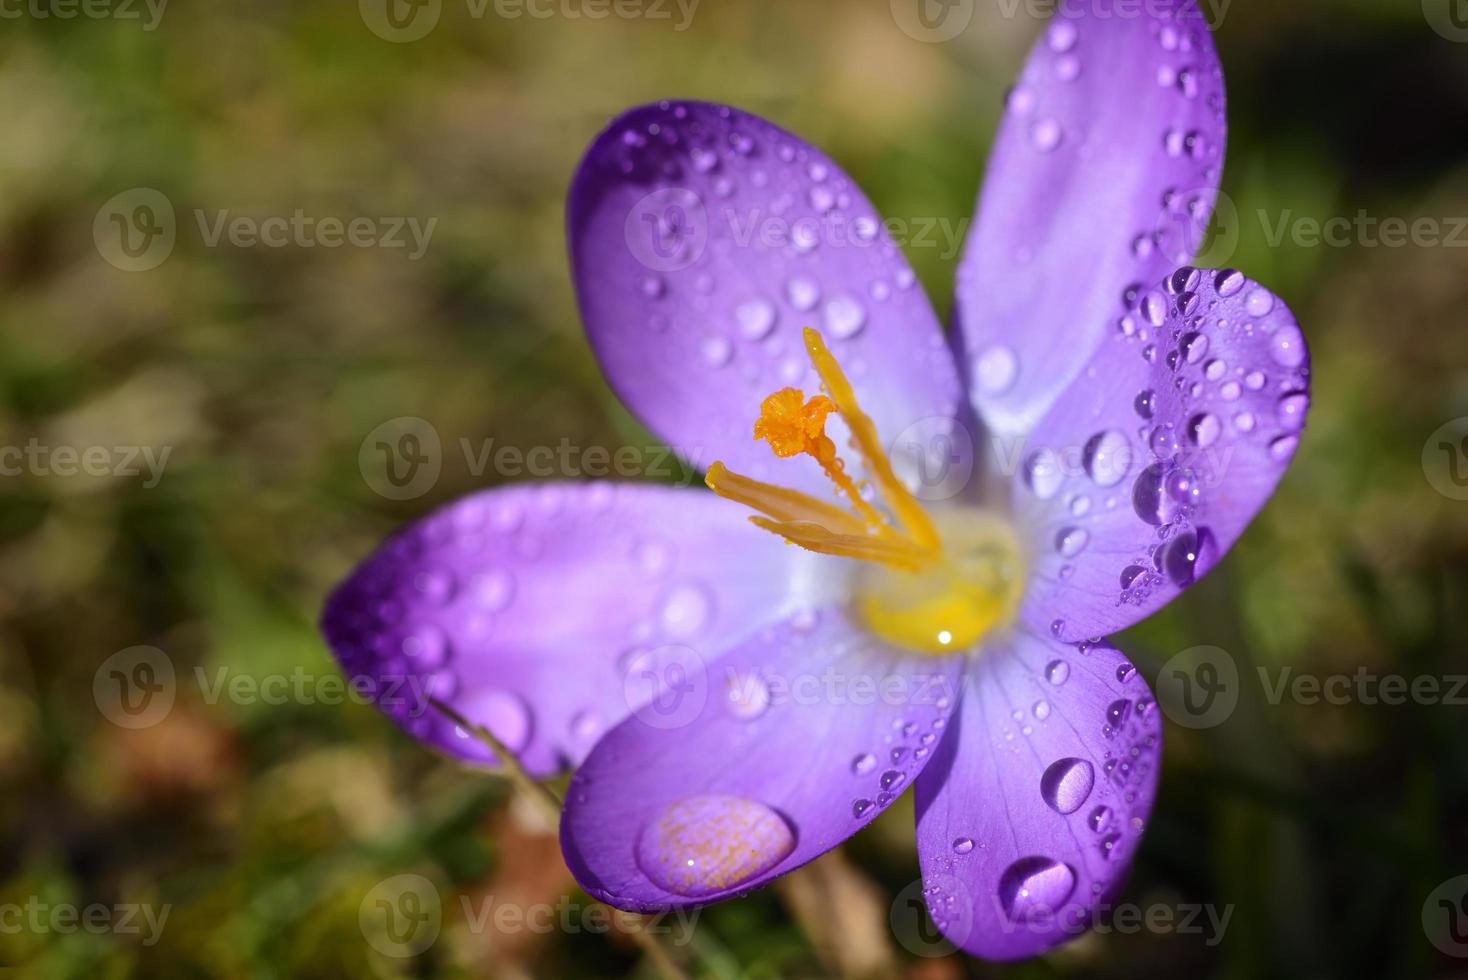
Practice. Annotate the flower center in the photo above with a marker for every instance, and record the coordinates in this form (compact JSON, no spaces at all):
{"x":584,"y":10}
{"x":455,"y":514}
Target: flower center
{"x":920,"y":589}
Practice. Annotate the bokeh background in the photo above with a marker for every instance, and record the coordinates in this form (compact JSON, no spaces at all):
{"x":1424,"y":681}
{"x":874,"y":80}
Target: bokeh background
{"x":264,"y":828}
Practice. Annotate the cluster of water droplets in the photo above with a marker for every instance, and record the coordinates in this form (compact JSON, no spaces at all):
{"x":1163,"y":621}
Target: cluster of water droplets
{"x":1105,"y":792}
{"x":884,"y":772}
{"x":473,"y":581}
{"x":1224,"y":389}
{"x":1052,"y":115}
{"x":776,"y":239}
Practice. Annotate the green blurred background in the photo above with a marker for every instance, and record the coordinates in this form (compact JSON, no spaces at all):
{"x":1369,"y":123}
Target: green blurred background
{"x":264,"y":828}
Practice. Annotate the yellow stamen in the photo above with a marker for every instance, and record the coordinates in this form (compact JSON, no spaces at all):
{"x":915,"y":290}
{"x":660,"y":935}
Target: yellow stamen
{"x":903,"y":504}
{"x":792,"y":425}
{"x":914,"y":592}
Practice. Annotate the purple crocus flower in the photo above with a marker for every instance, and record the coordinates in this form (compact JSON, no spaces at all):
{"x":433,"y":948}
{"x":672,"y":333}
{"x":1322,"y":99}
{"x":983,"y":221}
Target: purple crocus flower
{"x":736,"y":706}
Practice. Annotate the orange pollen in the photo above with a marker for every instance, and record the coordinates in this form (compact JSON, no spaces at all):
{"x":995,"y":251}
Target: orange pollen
{"x":794,"y":425}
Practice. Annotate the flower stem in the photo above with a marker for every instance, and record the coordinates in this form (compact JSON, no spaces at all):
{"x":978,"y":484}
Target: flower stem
{"x":550,"y":804}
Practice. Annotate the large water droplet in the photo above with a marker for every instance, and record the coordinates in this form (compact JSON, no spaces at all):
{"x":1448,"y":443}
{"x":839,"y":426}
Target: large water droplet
{"x":756,"y":318}
{"x":802,"y":294}
{"x":1067,"y":784}
{"x":1070,"y":541}
{"x":1287,"y":347}
{"x":703,"y":845}
{"x":1045,"y":135}
{"x":1035,"y":887}
{"x":686,"y":610}
{"x":715,"y":351}
{"x":995,"y":369}
{"x":1149,"y":497}
{"x":1107,"y":457}
{"x":1057,"y":671}
{"x":845,"y":317}
{"x":1204,"y":429}
{"x":748,"y":696}
{"x":1043,"y":473}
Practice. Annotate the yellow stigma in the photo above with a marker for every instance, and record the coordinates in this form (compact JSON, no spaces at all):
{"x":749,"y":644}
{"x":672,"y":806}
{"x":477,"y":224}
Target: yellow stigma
{"x":918,"y":590}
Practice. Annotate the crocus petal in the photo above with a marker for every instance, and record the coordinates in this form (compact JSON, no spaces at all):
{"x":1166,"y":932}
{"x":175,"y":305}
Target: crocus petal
{"x":1102,"y":176}
{"x":1037,"y":796}
{"x":702,"y":240}
{"x":525,"y":608}
{"x":767,"y":758}
{"x":1155,"y":460}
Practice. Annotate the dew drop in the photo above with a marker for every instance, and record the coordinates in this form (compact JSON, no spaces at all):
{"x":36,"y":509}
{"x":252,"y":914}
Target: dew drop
{"x":703,"y":845}
{"x":748,"y":696}
{"x":1204,"y":429}
{"x":756,"y":318}
{"x":1057,"y":671}
{"x":686,"y":610}
{"x":1107,"y":457}
{"x":1043,"y":473}
{"x":863,"y":764}
{"x":995,"y":369}
{"x":1071,"y":541}
{"x":1259,"y":302}
{"x":802,"y":294}
{"x":1035,"y":887}
{"x":1287,"y":347}
{"x":1045,"y":135}
{"x":845,"y":317}
{"x":1067,"y":784}
{"x":715,"y":351}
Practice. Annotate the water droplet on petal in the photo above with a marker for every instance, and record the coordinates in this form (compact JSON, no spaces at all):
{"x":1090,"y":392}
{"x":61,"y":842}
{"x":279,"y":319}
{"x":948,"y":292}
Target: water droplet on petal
{"x":1070,"y":541}
{"x":715,"y":351}
{"x":1035,"y":887}
{"x":756,"y":318}
{"x":802,"y":294}
{"x":995,"y":369}
{"x":708,"y":844}
{"x":1057,"y":671}
{"x":845,"y":317}
{"x":962,"y":845}
{"x":1204,"y":429}
{"x":686,"y":610}
{"x":748,"y":696}
{"x":1107,"y":457}
{"x":1067,"y":784}
{"x":1043,"y":473}
{"x":1045,"y":135}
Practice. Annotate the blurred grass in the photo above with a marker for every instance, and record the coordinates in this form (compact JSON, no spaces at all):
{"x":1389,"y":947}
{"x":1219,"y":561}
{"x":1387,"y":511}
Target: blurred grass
{"x":263,"y":826}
